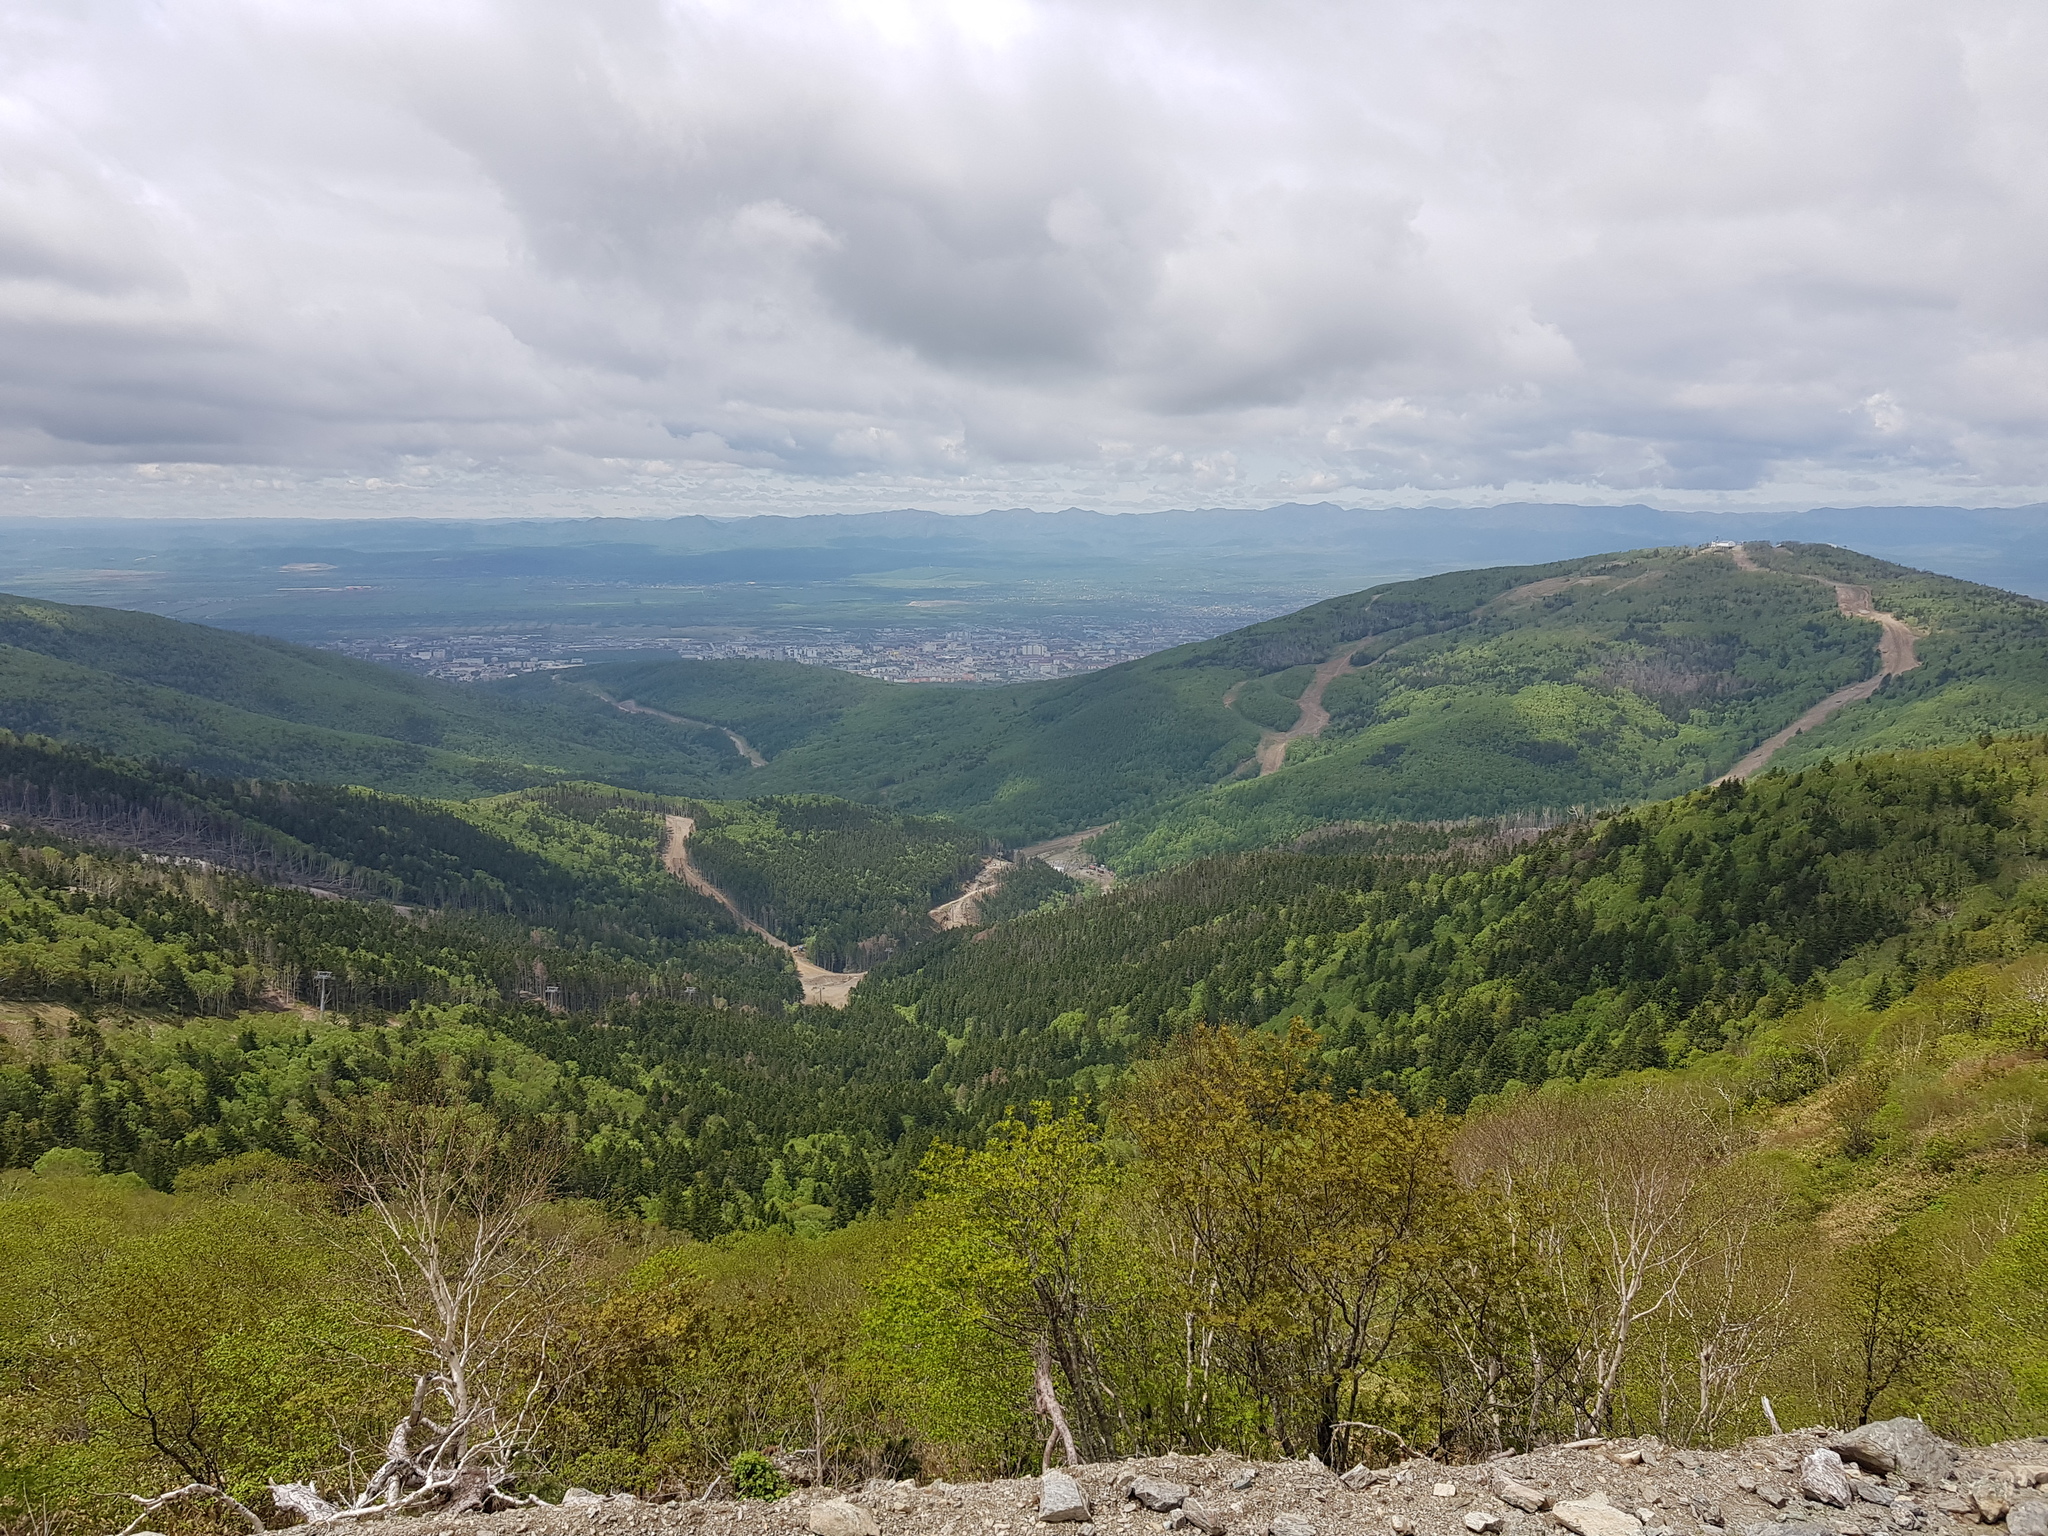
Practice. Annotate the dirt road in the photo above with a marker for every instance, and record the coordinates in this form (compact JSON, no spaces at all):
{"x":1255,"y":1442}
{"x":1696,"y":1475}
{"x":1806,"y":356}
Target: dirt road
{"x":739,"y":742}
{"x":1314,"y":719}
{"x":1895,"y":655}
{"x":965,"y":908}
{"x":832,"y":988}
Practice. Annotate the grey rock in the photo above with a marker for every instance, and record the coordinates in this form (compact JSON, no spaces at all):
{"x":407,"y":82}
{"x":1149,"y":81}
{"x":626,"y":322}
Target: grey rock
{"x":1290,"y":1525}
{"x":1524,"y":1496}
{"x":1361,"y":1477}
{"x":1872,"y":1493}
{"x":2029,"y":1517}
{"x":1060,"y":1499}
{"x":1905,"y":1446}
{"x":1244,"y":1479}
{"x":1483,"y":1522}
{"x":1777,"y":1498}
{"x":1196,"y":1514}
{"x":1991,"y":1504}
{"x":580,"y":1496}
{"x":1596,"y":1517}
{"x":1822,"y":1479}
{"x":1905,"y":1515}
{"x":836,"y":1517}
{"x":1157,"y":1494}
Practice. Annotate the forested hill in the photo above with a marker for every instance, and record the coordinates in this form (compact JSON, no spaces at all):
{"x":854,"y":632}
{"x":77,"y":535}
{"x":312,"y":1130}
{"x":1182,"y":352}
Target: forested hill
{"x":1646,"y":939}
{"x":1438,"y":964}
{"x":1842,"y":1187}
{"x":1579,"y":683}
{"x":232,"y":704}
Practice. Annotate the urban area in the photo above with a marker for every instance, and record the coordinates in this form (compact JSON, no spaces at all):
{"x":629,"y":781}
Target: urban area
{"x":979,"y":655}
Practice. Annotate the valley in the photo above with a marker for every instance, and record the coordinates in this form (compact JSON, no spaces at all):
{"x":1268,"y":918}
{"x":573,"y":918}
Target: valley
{"x":1293,"y":1044}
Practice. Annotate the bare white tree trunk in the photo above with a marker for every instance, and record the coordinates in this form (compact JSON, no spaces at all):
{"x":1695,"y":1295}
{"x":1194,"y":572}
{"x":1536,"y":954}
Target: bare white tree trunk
{"x":186,"y":1495}
{"x":1046,"y":1403}
{"x":450,"y":1217}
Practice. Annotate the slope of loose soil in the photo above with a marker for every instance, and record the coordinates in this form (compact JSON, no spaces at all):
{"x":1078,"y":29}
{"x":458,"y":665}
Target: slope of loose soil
{"x":965,"y":908}
{"x":1314,"y":720}
{"x":1067,"y":855}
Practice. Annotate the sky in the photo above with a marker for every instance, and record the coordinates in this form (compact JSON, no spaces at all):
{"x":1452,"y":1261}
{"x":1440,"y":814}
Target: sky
{"x":443,"y":257}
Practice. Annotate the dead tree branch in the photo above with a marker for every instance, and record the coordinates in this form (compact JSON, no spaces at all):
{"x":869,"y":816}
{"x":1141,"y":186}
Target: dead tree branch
{"x":184,"y":1495}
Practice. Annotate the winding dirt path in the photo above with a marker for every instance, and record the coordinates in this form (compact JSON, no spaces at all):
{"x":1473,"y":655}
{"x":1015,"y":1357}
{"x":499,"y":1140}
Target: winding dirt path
{"x":832,"y":988}
{"x":1313,"y":720}
{"x":1895,"y":655}
{"x":739,"y":742}
{"x":966,"y":907}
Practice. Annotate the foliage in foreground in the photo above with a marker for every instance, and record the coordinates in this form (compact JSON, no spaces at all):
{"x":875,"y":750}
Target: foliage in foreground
{"x":1235,"y":1253}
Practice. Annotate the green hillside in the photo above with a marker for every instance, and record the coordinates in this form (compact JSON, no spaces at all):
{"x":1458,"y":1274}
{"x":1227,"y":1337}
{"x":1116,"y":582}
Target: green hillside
{"x":1814,"y":1007}
{"x":1021,"y":762}
{"x":1646,"y":939}
{"x":1580,"y":683}
{"x":237,"y":704}
{"x":848,"y":882}
{"x":582,"y":862}
{"x":1442,"y":965}
{"x":1626,"y":678}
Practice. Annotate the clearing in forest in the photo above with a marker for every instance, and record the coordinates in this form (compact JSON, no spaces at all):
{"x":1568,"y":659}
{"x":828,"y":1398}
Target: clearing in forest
{"x":1895,"y":655}
{"x":832,"y":988}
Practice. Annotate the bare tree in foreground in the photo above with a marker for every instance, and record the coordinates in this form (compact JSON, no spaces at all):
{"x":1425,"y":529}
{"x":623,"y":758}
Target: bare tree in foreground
{"x":450,"y":1211}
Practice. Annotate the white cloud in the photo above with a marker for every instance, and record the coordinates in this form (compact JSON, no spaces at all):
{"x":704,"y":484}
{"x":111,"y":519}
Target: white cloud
{"x":487,"y":253}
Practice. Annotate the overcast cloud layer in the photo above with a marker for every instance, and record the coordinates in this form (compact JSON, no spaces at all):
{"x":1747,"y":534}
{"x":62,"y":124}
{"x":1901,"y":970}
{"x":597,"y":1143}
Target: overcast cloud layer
{"x":487,"y":255}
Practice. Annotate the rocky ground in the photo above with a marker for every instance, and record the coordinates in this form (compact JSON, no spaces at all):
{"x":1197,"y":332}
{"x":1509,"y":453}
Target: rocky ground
{"x":1810,"y":1483}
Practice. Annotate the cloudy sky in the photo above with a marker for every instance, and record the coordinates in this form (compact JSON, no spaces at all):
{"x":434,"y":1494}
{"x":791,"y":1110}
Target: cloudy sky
{"x":436,"y":256}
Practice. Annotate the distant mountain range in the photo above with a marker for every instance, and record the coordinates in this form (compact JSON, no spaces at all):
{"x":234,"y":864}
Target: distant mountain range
{"x":313,"y":580}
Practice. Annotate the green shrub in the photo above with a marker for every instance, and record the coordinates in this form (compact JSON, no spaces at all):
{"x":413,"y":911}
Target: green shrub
{"x":754,"y":1476}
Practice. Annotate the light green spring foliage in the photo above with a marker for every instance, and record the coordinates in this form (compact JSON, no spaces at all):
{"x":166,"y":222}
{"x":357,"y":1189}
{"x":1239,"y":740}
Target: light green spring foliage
{"x":208,"y":1337}
{"x":1018,"y":1246}
{"x":52,"y":941}
{"x":1885,"y":1163}
{"x":2009,"y":1307}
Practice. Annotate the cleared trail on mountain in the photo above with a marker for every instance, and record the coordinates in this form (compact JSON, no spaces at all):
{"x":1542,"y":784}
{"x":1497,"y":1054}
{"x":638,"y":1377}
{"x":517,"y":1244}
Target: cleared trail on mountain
{"x":832,"y":988}
{"x":964,"y":909}
{"x":740,"y":743}
{"x":1314,"y":718}
{"x":1895,"y":655}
